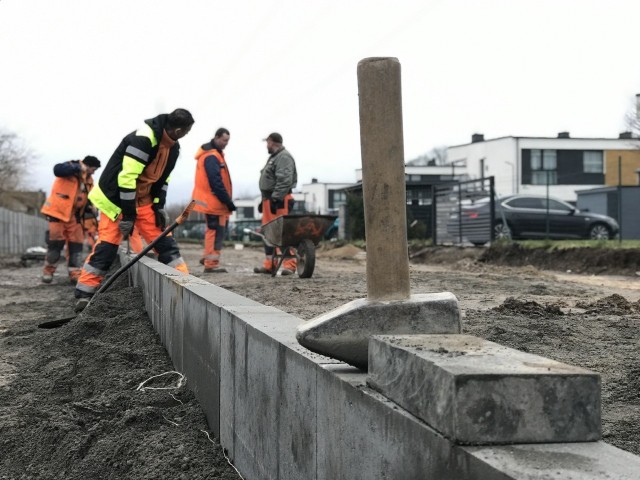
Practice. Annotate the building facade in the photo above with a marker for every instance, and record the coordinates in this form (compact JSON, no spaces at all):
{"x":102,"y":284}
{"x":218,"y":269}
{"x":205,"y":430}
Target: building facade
{"x":531,"y":165}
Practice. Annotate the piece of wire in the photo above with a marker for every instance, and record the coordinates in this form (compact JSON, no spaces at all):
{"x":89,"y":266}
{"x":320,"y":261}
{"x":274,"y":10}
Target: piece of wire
{"x":225,"y":455}
{"x":181,"y":382}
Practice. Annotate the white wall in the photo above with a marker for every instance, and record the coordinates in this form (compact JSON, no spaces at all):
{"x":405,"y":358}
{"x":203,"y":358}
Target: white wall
{"x":503,"y":161}
{"x":499,"y":161}
{"x":316,"y":195}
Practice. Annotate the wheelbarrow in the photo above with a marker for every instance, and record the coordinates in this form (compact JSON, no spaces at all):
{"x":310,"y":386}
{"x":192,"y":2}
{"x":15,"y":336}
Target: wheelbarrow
{"x":301,"y":232}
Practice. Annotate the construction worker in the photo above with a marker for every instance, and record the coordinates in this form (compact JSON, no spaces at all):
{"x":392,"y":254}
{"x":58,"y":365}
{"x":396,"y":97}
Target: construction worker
{"x":213,"y":195}
{"x":65,"y":208}
{"x":131,"y":193}
{"x":90,"y":227}
{"x":277,"y":180}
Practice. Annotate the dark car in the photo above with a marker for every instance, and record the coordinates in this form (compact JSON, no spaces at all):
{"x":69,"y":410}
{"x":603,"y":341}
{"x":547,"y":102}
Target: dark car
{"x":528,"y":217}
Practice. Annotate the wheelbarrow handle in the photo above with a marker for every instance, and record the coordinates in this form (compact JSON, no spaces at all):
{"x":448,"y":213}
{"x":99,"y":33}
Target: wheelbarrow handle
{"x":264,"y":239}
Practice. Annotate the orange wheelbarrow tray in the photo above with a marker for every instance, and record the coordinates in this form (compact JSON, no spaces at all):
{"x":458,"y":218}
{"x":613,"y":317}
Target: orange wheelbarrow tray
{"x":302,"y":232}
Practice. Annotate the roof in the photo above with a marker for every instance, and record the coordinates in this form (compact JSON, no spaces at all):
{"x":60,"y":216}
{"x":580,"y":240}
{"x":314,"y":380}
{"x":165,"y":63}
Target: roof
{"x":546,"y":138}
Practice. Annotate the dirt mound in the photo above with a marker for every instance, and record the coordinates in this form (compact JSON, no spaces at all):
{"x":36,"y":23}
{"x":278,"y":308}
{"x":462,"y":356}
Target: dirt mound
{"x":78,"y":412}
{"x":445,"y":255}
{"x":529,"y":308}
{"x":611,"y":305}
{"x":592,"y":260}
{"x":346,"y":252}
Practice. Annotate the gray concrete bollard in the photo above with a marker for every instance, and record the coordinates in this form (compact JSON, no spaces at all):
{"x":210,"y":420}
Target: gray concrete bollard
{"x":383,"y":181}
{"x":390,"y":308}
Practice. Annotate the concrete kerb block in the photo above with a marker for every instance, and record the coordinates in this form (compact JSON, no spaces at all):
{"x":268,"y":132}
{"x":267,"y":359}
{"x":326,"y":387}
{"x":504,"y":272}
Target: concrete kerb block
{"x":477,"y":392}
{"x":344,"y":333}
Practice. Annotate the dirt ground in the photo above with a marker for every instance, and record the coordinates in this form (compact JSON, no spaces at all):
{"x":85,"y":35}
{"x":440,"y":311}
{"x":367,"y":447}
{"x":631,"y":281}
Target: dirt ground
{"x":70,"y":406}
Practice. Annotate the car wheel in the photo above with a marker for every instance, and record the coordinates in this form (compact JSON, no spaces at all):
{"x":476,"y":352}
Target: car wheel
{"x":502,"y":231}
{"x":599,"y":231}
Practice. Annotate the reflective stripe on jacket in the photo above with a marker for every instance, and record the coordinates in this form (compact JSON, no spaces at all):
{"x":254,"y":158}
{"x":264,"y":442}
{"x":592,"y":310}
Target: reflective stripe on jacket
{"x":116,"y":189}
{"x":68,"y":193}
{"x":212,"y":195}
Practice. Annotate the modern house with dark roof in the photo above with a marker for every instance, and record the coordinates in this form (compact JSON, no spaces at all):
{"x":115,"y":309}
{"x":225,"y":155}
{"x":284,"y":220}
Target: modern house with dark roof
{"x":562,"y":164}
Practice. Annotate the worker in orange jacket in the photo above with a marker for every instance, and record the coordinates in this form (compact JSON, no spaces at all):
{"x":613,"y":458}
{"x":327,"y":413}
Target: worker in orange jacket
{"x":64,"y":209}
{"x":90,"y":227}
{"x":213,"y":194}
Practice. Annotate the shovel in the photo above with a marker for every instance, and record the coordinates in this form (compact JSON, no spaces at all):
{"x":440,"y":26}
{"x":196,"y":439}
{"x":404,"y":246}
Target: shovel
{"x":183,"y":216}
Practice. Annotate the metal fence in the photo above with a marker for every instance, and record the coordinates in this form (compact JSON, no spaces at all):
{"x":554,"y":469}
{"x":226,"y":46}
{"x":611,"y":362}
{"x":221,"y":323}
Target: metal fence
{"x":463,"y":212}
{"x":19,"y":231}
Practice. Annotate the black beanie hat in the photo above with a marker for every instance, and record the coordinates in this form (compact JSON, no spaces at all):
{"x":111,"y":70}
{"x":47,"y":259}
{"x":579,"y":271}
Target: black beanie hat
{"x":91,"y":161}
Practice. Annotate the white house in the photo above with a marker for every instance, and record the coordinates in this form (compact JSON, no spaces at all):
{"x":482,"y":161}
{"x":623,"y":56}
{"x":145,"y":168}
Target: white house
{"x":322,"y":198}
{"x":565,"y":164}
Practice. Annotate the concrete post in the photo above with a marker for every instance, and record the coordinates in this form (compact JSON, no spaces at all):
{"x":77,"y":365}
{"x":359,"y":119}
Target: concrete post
{"x":383,"y":180}
{"x":390,"y":309}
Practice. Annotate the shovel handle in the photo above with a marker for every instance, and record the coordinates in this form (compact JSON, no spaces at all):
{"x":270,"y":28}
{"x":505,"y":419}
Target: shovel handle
{"x":185,"y":214}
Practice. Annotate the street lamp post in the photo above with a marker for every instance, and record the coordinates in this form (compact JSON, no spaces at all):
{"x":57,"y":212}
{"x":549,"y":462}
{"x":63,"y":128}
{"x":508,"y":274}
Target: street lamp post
{"x":513,"y":181}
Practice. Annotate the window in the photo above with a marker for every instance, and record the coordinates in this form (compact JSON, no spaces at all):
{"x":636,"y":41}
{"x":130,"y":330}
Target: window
{"x":416,"y":178}
{"x":526,"y":202}
{"x":544,"y":167}
{"x":592,"y":162}
{"x":244,"y":212}
{"x":418,"y":197}
{"x":337,"y":198}
{"x":556,"y":205}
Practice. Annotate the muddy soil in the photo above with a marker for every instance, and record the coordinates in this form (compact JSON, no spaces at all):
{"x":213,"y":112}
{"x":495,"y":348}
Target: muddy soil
{"x":70,"y":406}
{"x":623,"y":261}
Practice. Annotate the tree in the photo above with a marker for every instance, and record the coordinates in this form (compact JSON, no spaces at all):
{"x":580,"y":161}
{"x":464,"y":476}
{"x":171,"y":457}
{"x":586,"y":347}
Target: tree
{"x":13,"y":161}
{"x":632,"y":118}
{"x":435,"y":156}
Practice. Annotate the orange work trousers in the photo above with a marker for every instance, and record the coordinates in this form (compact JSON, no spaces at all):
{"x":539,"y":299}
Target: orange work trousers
{"x":109,"y":238}
{"x":213,"y":237}
{"x":290,"y":262}
{"x":59,"y":234}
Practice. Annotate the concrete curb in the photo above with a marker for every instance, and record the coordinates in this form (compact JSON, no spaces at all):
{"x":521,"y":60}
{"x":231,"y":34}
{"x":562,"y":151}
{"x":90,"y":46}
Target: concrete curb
{"x":283,"y":412}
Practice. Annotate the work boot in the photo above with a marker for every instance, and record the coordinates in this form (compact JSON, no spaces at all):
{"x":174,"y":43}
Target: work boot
{"x":81,"y":304}
{"x":286,"y":271}
{"x":215,"y":270}
{"x":260,"y":270}
{"x":47,"y":278}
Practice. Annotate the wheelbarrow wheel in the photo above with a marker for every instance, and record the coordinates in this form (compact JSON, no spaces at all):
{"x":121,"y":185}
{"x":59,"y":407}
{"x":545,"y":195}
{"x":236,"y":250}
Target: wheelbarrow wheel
{"x":306,"y":257}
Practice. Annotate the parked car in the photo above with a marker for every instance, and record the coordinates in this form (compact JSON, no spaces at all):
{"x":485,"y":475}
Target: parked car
{"x":236,"y":230}
{"x":195,"y":231}
{"x":527,"y":217}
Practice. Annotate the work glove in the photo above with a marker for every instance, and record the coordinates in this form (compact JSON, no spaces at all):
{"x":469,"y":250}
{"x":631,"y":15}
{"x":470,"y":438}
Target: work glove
{"x":126,"y":226}
{"x":275,"y":204}
{"x":162,"y":217}
{"x":260,"y":207}
{"x":231,"y":206}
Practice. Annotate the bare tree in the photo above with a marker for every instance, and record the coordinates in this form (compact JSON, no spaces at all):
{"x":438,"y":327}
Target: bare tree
{"x":439,"y":154}
{"x":14,"y":156}
{"x":435,"y":156}
{"x":632,"y":118}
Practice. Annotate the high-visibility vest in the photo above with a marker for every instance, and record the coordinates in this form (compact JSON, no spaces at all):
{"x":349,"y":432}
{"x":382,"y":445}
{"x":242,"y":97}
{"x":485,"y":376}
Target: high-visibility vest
{"x":206,"y":201}
{"x":68,"y":194}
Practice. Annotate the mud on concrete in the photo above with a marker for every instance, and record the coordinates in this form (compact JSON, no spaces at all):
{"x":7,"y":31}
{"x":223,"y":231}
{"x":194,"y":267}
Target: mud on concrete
{"x":69,"y":404}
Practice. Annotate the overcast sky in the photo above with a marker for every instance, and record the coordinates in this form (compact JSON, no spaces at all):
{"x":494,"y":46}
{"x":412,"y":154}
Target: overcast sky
{"x":79,"y":75}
